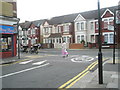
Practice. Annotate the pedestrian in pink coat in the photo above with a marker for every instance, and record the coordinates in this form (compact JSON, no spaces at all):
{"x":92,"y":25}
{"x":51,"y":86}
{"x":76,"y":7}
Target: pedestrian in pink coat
{"x":64,"y":49}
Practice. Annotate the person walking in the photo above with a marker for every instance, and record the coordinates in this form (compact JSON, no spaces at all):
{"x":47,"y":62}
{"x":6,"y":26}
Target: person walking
{"x":64,"y":49}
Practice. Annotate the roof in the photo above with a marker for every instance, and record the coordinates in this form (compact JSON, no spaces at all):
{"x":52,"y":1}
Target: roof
{"x":54,"y":35}
{"x":25,"y":25}
{"x":38,"y":22}
{"x":93,"y":14}
{"x":63,"y":19}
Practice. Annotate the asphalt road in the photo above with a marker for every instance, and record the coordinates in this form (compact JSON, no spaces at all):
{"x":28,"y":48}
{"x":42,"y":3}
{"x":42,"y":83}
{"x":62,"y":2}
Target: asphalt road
{"x":48,"y":69}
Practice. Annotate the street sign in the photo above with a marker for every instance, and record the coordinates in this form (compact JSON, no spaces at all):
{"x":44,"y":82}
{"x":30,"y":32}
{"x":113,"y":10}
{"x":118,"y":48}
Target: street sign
{"x":117,"y":16}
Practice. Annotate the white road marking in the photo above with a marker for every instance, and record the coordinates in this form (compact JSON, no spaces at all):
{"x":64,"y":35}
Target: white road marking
{"x":38,"y":63}
{"x":25,"y":62}
{"x":23,"y":70}
{"x":82,"y":58}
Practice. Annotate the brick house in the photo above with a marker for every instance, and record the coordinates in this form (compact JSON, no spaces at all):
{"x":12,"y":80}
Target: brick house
{"x":62,"y":29}
{"x":23,"y":33}
{"x":107,"y":26}
{"x":74,"y":28}
{"x":86,"y":27}
{"x":30,"y":32}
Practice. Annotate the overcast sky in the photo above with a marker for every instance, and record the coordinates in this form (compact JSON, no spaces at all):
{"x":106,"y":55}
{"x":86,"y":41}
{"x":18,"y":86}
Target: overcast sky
{"x":31,"y":10}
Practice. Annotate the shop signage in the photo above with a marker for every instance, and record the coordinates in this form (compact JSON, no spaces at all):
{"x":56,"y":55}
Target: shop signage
{"x":7,"y":29}
{"x":117,"y":16}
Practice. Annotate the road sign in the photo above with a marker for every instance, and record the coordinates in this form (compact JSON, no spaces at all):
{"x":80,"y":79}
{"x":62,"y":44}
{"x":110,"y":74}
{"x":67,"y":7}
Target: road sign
{"x":117,"y":16}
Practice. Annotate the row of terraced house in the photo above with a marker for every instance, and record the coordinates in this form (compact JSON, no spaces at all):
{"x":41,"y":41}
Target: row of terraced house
{"x":78,"y":30}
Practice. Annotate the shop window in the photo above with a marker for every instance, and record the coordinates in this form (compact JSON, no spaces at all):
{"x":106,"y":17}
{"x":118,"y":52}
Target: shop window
{"x":6,"y":43}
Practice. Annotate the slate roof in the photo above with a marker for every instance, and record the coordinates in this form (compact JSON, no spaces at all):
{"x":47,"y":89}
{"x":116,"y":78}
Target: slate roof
{"x":93,"y":14}
{"x":38,"y":22}
{"x":25,"y":25}
{"x":63,"y":19}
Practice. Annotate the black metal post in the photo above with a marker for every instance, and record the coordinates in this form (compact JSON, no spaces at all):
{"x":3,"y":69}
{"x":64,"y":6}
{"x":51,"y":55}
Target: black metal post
{"x":114,"y":37}
{"x":18,"y":39}
{"x":100,"y":52}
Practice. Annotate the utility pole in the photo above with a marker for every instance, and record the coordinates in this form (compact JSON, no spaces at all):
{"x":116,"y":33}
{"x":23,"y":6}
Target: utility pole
{"x":100,"y":69}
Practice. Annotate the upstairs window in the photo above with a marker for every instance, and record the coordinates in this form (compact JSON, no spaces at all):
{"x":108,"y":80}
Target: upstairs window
{"x":59,"y":29}
{"x":109,"y":23}
{"x":46,"y":30}
{"x":96,"y":25}
{"x":78,"y":26}
{"x":91,"y":26}
{"x":105,"y":23}
{"x":66,"y":28}
{"x":56,"y":29}
{"x":82,"y":25}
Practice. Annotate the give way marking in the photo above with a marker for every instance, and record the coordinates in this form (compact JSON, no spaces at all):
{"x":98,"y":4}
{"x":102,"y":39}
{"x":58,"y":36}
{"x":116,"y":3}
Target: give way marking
{"x":25,"y":70}
{"x":25,"y":62}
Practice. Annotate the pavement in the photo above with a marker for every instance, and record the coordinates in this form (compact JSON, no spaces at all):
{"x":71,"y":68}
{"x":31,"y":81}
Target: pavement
{"x":111,"y":75}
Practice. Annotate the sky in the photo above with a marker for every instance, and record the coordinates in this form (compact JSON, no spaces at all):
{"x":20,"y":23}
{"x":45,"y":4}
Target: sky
{"x":30,"y":10}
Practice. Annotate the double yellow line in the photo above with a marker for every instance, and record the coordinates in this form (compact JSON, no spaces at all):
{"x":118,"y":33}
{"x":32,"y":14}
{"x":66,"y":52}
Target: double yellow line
{"x":72,"y":81}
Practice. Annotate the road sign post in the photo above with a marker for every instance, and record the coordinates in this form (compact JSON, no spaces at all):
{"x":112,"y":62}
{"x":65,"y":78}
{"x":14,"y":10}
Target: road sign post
{"x":100,"y":69}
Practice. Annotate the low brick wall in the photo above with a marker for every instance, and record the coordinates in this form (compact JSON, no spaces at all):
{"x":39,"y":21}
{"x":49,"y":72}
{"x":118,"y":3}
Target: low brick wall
{"x":76,"y":46}
{"x":47,"y":45}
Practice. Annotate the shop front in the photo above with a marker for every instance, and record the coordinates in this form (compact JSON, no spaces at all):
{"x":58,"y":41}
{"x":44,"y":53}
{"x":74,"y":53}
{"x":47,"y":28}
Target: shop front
{"x":8,"y":41}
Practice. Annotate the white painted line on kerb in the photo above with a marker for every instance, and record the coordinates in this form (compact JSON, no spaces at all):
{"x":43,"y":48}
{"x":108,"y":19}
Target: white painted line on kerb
{"x":25,"y":62}
{"x":23,"y":70}
{"x":38,"y":63}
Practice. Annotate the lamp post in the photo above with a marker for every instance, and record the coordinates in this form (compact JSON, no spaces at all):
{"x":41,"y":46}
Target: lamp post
{"x":114,"y":37}
{"x":100,"y":70}
{"x":17,"y":26}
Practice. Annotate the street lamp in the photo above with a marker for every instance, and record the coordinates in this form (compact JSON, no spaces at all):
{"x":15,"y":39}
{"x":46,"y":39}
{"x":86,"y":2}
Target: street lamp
{"x":17,"y":26}
{"x":114,"y":36}
{"x":100,"y":52}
